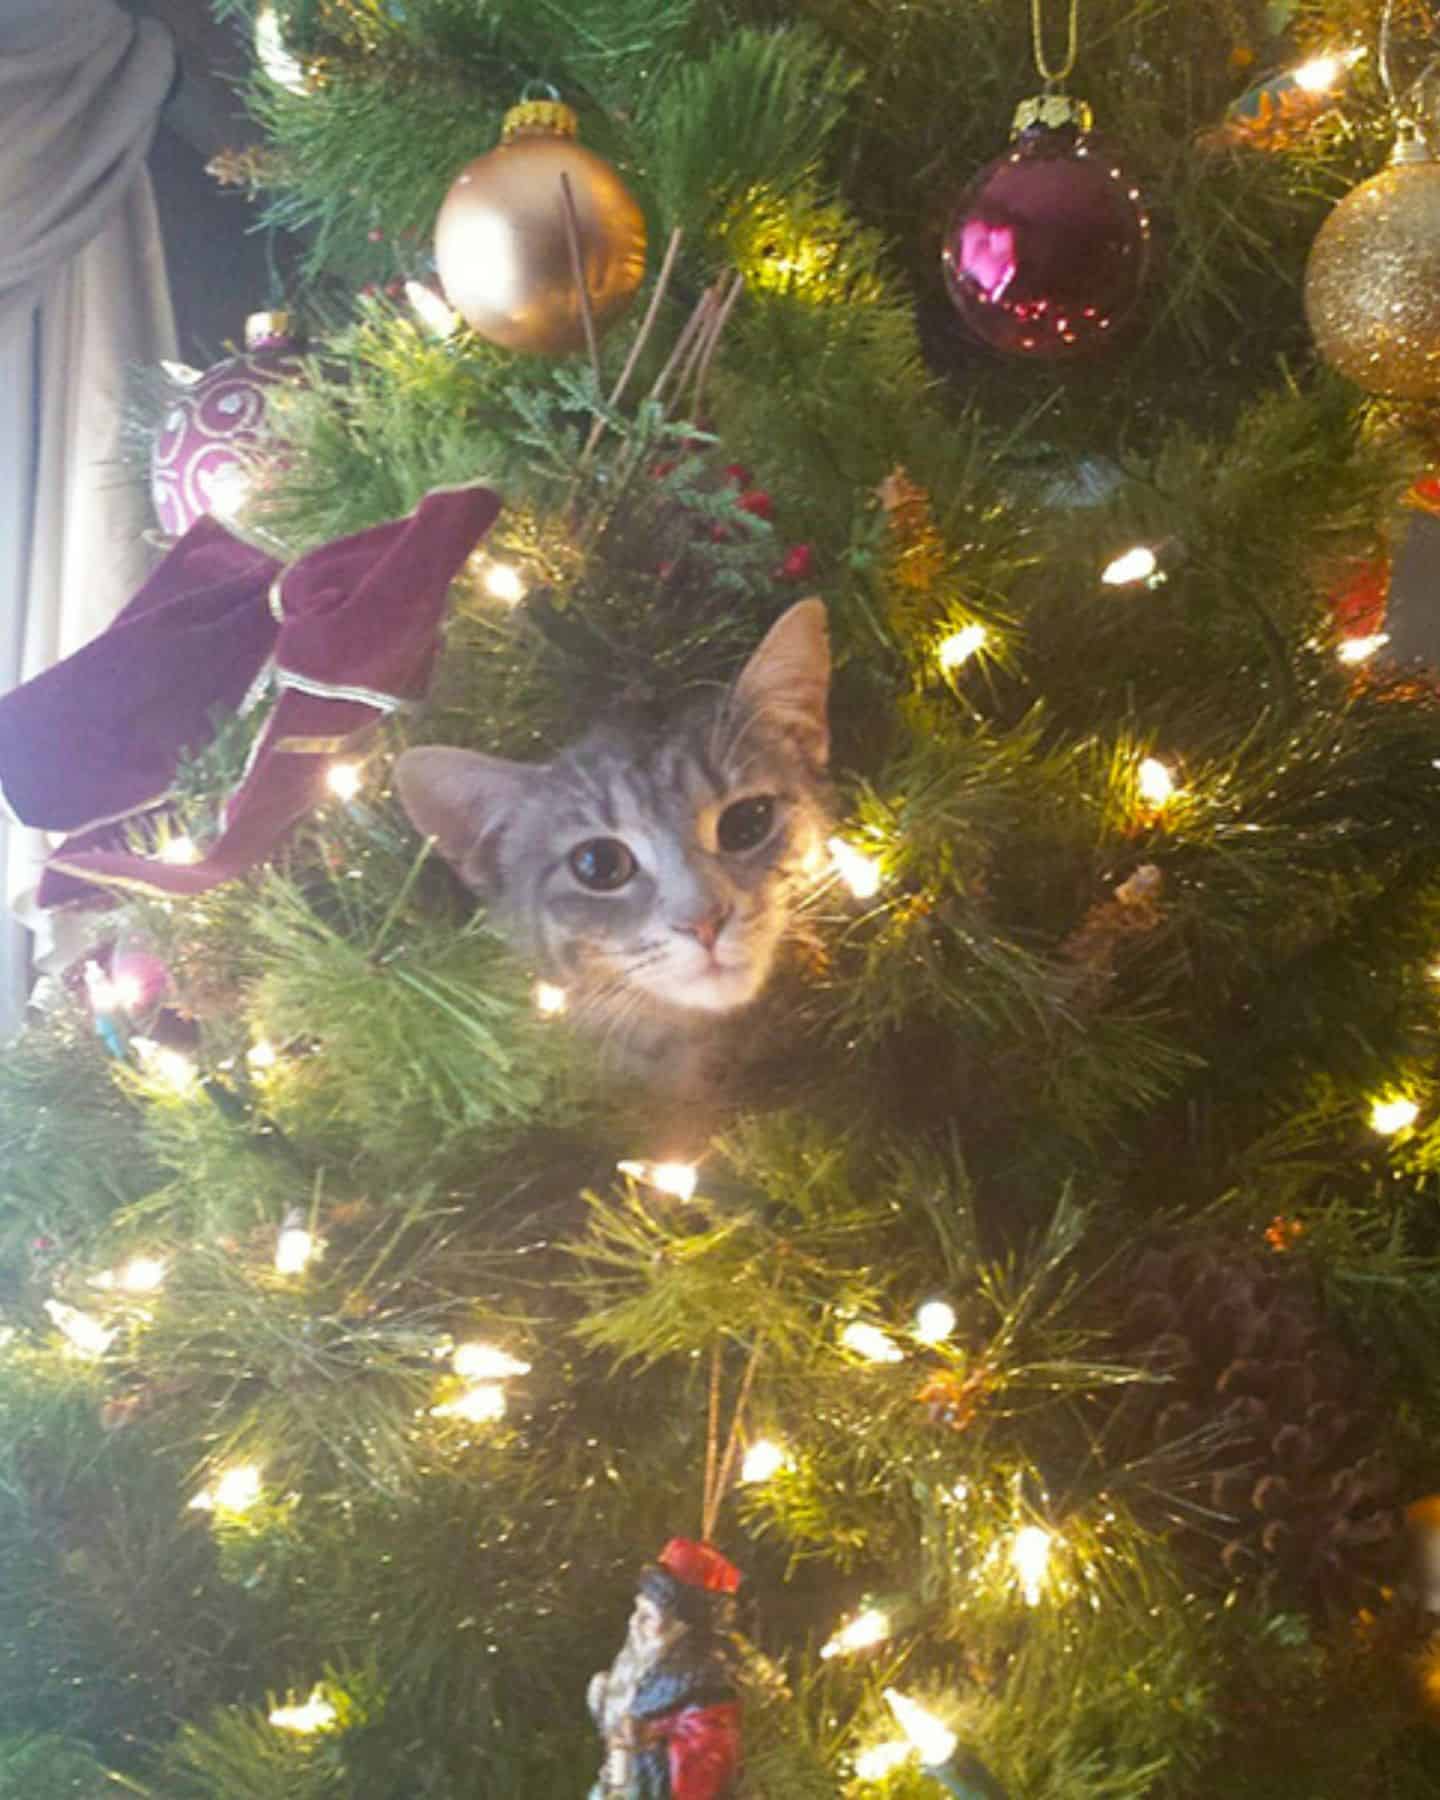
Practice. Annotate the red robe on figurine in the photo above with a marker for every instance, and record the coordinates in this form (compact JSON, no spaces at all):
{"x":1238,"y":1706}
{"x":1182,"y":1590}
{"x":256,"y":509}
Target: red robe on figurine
{"x":668,"y":1706}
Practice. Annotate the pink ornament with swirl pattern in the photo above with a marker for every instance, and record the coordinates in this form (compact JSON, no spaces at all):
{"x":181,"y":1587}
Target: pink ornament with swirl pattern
{"x":201,"y":459}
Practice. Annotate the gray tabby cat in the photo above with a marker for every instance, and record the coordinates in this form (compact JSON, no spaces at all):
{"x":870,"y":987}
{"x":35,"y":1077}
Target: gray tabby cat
{"x":652,"y":872}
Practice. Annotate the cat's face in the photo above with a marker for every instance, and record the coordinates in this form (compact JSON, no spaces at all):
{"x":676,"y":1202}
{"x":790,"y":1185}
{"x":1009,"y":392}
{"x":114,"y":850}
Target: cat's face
{"x":664,"y":864}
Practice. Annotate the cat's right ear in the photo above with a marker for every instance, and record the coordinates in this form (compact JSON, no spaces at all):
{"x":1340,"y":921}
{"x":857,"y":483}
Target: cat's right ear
{"x":463,"y":801}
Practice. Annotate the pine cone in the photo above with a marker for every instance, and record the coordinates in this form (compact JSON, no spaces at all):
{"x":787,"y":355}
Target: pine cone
{"x":1270,"y":1410}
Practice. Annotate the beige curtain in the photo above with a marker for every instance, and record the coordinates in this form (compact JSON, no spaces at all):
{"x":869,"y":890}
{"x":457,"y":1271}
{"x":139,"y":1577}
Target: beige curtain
{"x":83,"y":295}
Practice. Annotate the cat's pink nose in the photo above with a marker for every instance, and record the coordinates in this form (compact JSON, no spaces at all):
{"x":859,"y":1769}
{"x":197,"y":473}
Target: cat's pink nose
{"x":708,"y":928}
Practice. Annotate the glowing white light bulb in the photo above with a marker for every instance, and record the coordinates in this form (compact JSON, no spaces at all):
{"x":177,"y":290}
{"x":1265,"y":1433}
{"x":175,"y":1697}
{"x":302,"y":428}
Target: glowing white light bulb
{"x":180,"y":850}
{"x":865,"y":1630}
{"x":1154,"y":782}
{"x":933,"y":1741}
{"x":344,"y":780}
{"x":1030,"y":1558}
{"x":430,"y":309}
{"x":317,"y":1714}
{"x":237,"y":1490}
{"x":293,"y":1249}
{"x":549,"y":999}
{"x":478,"y":1404}
{"x":172,"y":1067}
{"x":879,"y":1760}
{"x":871,"y":1342}
{"x":1397,"y":1113}
{"x":763,"y":1460}
{"x":934,"y":1321}
{"x":860,"y":873}
{"x":83,"y":1332}
{"x":1321,"y":73}
{"x":1361,"y":649}
{"x":284,"y":70}
{"x":504,"y":581}
{"x":1136,"y":565}
{"x":141,"y":1275}
{"x":677,"y":1178}
{"x":483,"y":1362}
{"x":960,"y":646}
{"x":107,"y":996}
{"x":262,"y":1055}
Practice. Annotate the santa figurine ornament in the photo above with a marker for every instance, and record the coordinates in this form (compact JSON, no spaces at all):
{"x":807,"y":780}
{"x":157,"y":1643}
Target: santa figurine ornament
{"x":668,"y":1706}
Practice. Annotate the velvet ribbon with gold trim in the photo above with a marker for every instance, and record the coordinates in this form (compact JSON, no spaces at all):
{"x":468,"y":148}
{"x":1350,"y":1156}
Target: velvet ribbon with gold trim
{"x":349,"y":632}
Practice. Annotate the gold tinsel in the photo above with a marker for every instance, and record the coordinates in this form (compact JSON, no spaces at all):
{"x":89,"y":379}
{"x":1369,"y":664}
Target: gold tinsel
{"x":251,"y":168}
{"x":918,"y":566}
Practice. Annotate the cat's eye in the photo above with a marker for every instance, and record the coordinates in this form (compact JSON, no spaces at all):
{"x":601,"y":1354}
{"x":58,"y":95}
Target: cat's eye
{"x":602,"y":864}
{"x":746,"y":824}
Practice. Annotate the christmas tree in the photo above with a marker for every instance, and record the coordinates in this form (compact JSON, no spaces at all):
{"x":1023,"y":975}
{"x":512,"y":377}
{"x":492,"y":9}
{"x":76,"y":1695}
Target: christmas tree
{"x":1033,"y":1292}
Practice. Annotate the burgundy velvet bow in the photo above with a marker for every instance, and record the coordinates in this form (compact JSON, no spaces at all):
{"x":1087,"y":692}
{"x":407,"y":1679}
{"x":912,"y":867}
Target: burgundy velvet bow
{"x":352,"y":629}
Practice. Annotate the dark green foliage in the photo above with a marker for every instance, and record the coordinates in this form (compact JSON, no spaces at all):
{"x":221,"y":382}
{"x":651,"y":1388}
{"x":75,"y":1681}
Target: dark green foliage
{"x":114,"y":1625}
{"x":50,"y":1768}
{"x":71,"y":1147}
{"x":1069,"y":1023}
{"x":757,"y":111}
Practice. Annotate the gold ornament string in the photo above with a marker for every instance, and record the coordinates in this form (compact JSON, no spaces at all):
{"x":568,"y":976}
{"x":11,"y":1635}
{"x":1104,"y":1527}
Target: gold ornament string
{"x":1053,"y":77}
{"x":720,"y":1467}
{"x":1414,"y":95}
{"x":712,"y":1440}
{"x":1387,"y":72}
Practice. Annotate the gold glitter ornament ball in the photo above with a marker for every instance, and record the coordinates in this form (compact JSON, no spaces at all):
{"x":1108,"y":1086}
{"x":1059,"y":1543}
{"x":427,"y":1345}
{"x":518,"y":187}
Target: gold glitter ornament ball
{"x":1372,"y":285}
{"x":501,"y":244}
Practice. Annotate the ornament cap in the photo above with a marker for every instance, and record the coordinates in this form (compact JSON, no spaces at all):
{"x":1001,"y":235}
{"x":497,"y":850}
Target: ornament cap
{"x":1410,"y":144}
{"x":1051,"y":112}
{"x":540,"y":118}
{"x":269,"y":330}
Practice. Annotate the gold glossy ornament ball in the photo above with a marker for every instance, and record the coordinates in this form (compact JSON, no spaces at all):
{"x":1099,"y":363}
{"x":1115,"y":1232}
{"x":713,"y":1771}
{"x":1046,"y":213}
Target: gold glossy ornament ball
{"x":501,"y":244}
{"x":1372,"y":285}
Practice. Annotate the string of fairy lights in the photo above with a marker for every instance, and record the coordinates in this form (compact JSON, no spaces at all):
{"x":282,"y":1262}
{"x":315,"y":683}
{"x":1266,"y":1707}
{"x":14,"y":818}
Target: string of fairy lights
{"x":475,"y":1391}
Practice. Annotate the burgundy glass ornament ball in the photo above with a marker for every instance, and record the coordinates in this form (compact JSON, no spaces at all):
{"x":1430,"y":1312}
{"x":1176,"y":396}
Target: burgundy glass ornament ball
{"x":1047,"y":252}
{"x":200,"y":455}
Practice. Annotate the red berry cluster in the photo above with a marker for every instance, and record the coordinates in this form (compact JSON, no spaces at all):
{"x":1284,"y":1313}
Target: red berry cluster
{"x":798,"y":562}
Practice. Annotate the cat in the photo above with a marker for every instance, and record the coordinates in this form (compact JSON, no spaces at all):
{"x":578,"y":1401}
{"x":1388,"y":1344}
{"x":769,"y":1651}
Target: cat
{"x":653,"y":869}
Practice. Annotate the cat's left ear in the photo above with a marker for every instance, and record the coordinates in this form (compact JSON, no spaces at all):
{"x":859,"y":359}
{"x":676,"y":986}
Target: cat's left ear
{"x":787,"y":680}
